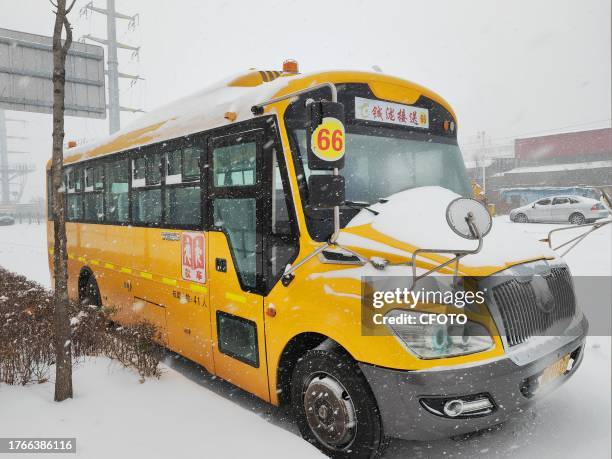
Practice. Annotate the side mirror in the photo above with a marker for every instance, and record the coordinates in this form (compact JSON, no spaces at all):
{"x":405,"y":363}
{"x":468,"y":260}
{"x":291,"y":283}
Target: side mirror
{"x":468,"y":218}
{"x":325,"y":191}
{"x":533,"y":207}
{"x":326,"y":136}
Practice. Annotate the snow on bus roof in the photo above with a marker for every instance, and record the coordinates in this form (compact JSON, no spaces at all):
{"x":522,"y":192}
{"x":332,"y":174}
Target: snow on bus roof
{"x":206,"y":109}
{"x":196,"y":112}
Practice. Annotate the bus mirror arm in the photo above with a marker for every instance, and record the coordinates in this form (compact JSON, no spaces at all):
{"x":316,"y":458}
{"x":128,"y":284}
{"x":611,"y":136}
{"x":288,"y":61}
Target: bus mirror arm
{"x":289,"y":276}
{"x":576,"y":240}
{"x":459,"y":254}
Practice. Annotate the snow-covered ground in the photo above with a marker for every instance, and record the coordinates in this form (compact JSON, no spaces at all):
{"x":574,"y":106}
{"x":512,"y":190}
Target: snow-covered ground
{"x":23,"y":249}
{"x":188,"y":413}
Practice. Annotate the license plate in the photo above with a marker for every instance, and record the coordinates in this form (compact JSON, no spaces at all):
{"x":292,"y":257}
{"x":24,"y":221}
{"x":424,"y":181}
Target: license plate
{"x":552,"y":372}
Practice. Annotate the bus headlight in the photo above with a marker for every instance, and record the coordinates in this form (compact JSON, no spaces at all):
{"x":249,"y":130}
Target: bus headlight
{"x":429,"y":339}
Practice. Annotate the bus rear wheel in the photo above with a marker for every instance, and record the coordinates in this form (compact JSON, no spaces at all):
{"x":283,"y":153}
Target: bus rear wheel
{"x":334,"y":406}
{"x":90,"y":293}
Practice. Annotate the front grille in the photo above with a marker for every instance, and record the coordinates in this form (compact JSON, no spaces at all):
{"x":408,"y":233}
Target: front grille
{"x":521,"y":315}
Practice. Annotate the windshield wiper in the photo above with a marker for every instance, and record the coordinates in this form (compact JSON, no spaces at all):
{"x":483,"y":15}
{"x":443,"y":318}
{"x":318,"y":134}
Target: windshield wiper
{"x":360,"y":205}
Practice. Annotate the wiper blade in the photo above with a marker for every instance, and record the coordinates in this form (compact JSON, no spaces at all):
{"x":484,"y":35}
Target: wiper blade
{"x":360,"y":205}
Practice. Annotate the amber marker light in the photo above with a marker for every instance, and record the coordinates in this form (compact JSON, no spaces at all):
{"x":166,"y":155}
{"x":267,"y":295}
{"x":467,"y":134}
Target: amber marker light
{"x":290,"y":66}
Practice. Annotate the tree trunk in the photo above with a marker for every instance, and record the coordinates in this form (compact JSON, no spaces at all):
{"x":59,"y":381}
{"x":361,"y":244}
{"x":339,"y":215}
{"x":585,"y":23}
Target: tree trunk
{"x":63,"y":343}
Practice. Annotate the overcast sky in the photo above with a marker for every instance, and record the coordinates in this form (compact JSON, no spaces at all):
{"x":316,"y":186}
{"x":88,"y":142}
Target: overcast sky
{"x":510,"y":68}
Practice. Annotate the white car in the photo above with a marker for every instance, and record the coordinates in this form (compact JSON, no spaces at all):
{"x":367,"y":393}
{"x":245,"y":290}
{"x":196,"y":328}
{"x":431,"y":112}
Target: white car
{"x":560,"y":209}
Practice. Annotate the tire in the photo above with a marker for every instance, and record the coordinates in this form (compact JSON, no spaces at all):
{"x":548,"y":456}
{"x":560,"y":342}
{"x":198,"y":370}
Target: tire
{"x":326,"y":383}
{"x":577,"y":219}
{"x":520,"y":218}
{"x":90,"y":295}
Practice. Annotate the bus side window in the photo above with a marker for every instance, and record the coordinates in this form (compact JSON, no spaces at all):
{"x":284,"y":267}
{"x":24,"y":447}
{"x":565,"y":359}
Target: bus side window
{"x":183,"y":201}
{"x":235,"y":205}
{"x":147,"y":196}
{"x":74,"y":197}
{"x":282,"y":244}
{"x":93,"y":198}
{"x":116,"y":191}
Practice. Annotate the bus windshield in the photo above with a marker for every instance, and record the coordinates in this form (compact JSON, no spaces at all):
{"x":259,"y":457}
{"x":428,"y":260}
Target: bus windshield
{"x":377,"y":165}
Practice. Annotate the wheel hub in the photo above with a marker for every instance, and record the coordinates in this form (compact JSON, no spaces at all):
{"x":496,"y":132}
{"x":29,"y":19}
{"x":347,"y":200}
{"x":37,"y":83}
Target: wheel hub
{"x":330,"y":411}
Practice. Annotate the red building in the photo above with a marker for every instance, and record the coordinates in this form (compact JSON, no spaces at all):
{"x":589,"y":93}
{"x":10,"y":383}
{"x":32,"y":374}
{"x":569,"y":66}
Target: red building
{"x":568,"y":163}
{"x":569,"y":147}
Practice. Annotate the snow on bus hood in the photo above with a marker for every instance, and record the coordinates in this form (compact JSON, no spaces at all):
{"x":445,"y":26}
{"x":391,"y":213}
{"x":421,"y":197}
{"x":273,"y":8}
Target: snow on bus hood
{"x":418,"y":217}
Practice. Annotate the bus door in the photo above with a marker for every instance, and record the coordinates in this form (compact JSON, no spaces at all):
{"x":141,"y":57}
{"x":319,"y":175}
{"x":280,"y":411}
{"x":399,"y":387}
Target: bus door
{"x":237,"y":207}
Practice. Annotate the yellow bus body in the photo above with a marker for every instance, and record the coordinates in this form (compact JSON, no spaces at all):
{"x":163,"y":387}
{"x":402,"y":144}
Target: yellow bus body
{"x":139,"y":273}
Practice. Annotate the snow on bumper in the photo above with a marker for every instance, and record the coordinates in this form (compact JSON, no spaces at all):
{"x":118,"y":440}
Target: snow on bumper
{"x":399,"y":393}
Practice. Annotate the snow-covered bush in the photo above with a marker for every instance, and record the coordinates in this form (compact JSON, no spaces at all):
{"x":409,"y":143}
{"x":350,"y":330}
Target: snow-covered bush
{"x":26,"y":334}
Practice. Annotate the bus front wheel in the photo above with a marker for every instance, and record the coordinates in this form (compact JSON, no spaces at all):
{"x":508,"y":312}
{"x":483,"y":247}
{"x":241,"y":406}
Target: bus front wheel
{"x":334,"y":406}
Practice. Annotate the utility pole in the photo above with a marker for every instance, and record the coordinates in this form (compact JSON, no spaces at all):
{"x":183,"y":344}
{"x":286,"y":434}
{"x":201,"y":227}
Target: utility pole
{"x":4,"y":169}
{"x":14,"y":174}
{"x":112,"y":71}
{"x":114,"y":115}
{"x":483,"y":155}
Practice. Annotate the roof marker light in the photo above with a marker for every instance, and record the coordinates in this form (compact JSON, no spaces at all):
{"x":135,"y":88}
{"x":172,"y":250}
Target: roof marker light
{"x":290,"y":66}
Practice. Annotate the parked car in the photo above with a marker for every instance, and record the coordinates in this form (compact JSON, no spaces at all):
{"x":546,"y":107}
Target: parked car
{"x":6,"y":220}
{"x":560,"y":209}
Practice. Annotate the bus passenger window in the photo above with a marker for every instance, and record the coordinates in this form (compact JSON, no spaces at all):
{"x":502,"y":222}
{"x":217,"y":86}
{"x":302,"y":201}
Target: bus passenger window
{"x":235,"y":165}
{"x":78,"y":180}
{"x":93,"y":198}
{"x":89,"y":179}
{"x":70,"y":175}
{"x":98,"y":177}
{"x":93,"y":206}
{"x":174,"y":166}
{"x":146,"y":206}
{"x":153,"y":168}
{"x":74,"y":211}
{"x":138,"y":172}
{"x":183,"y":205}
{"x":237,"y":217}
{"x":74,"y":198}
{"x":116,"y":193}
{"x":191,"y":164}
{"x":173,"y":163}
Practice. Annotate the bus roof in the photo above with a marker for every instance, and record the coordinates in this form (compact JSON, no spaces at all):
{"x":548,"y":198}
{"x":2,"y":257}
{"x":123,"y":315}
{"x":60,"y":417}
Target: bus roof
{"x":209,"y":107}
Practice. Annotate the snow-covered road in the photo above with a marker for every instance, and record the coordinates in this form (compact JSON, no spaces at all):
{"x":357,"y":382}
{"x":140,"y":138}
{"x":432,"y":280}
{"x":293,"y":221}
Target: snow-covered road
{"x":188,"y":413}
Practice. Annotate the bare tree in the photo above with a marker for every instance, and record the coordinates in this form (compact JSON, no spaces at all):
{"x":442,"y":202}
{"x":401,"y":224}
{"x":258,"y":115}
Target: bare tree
{"x":63,"y":343}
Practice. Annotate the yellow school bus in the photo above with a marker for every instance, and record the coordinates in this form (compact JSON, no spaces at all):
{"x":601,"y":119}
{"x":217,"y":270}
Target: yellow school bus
{"x":204,"y":218}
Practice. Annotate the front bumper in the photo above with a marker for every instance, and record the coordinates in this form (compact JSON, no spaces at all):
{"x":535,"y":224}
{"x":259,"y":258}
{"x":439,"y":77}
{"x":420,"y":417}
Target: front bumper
{"x":398,"y":393}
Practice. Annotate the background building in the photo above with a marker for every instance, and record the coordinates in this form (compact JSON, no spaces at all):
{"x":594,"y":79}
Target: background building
{"x":568,"y":163}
